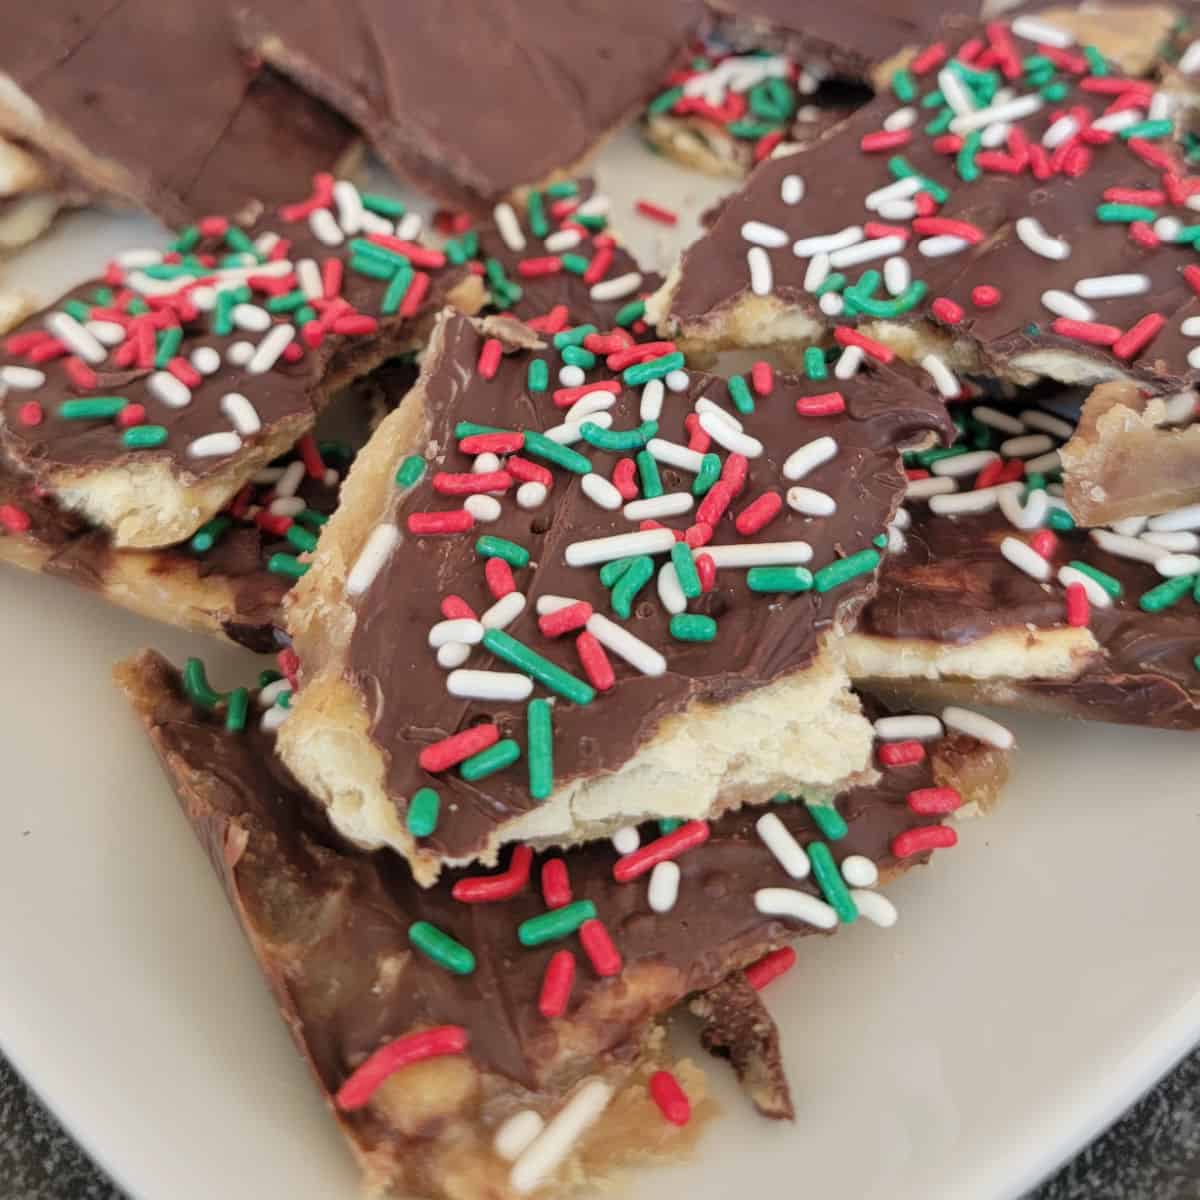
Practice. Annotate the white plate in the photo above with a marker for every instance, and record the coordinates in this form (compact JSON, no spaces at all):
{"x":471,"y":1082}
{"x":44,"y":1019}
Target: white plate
{"x":1042,"y":974}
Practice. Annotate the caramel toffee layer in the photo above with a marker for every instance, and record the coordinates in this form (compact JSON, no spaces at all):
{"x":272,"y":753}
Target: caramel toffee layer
{"x":759,"y":637}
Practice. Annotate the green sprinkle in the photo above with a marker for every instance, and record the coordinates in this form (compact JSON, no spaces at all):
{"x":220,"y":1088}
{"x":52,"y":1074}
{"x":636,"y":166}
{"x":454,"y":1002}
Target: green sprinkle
{"x":965,"y":164}
{"x":310,"y":516}
{"x":540,"y":446}
{"x":284,"y":699}
{"x":235,"y":714}
{"x":934,"y":99}
{"x":685,"y":570}
{"x":488,"y":762}
{"x":104,"y":296}
{"x":1148,"y":129}
{"x":195,"y":684}
{"x":144,"y":437}
{"x":629,"y":313}
{"x":656,"y":368}
{"x":1168,"y":593}
{"x":617,"y":440}
{"x":536,"y":212}
{"x":97,"y":408}
{"x":639,"y":573}
{"x":940,"y":123}
{"x":162,"y":271}
{"x":494,"y":269}
{"x":926,"y":458}
{"x":669,"y":825}
{"x":301,"y":538}
{"x":664,"y":101}
{"x":833,"y":282}
{"x":222,"y":324}
{"x":614,"y":569}
{"x":709,"y":473}
{"x":205,"y":538}
{"x":814,"y":364}
{"x":306,"y":314}
{"x":593,"y":221}
{"x":269,"y":676}
{"x":422,"y":817}
{"x":236,"y":239}
{"x":1189,"y":235}
{"x":556,"y":924}
{"x":751,"y":129}
{"x":577,"y":356}
{"x":168,"y":346}
{"x":772,"y":100}
{"x":1107,"y":582}
{"x":373,"y":268}
{"x":187,"y":239}
{"x":842,"y":571}
{"x":548,"y":674}
{"x":1060,"y":520}
{"x":78,"y":309}
{"x":540,"y":755}
{"x":383,"y":206}
{"x":538,"y":375}
{"x":137,"y":307}
{"x":895,"y":306}
{"x":466,"y":429}
{"x":1054,"y":92}
{"x":1125,"y":212}
{"x":412,"y":469}
{"x":561,"y":188}
{"x":739,"y":393}
{"x":828,"y":820}
{"x":901,"y":168}
{"x":648,"y":475}
{"x":397,"y":289}
{"x":880,"y":541}
{"x":286,"y":564}
{"x":904,"y":86}
{"x":779,"y":579}
{"x":489,"y":546}
{"x":441,"y":948}
{"x":829,"y":880}
{"x":693,"y":627}
{"x":575,"y":263}
{"x":1034,"y":482}
{"x":289,"y":301}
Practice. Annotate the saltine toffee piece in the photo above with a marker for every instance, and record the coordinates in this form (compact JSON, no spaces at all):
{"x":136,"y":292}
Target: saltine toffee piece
{"x":144,"y":400}
{"x":547,"y":84}
{"x":569,"y":608}
{"x":990,"y":594}
{"x":528,"y":989}
{"x":32,"y":194}
{"x":1019,"y":210}
{"x":724,"y":112}
{"x":158,"y":107}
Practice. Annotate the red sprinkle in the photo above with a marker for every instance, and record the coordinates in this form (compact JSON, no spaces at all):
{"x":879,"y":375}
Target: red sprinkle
{"x":934,"y":800}
{"x":985,"y":296}
{"x":289,"y":664}
{"x":770,"y":967}
{"x":131,"y":414}
{"x":470,"y":484}
{"x":925,"y":204}
{"x":624,"y":478}
{"x":565,"y":397}
{"x":1014,"y":469}
{"x":362,"y":1084}
{"x":499,"y":578}
{"x":598,"y":946}
{"x":823,"y":405}
{"x":50,"y":349}
{"x":697,"y":535}
{"x":706,"y":568}
{"x":293,"y":352}
{"x":557,"y":983}
{"x":990,"y":474}
{"x":489,"y":358}
{"x":917,"y":841}
{"x":492,"y":443}
{"x":735,"y":471}
{"x":1148,"y":152}
{"x":712,"y":507}
{"x":487,"y":889}
{"x":947,"y":311}
{"x":687,"y":837}
{"x":14,"y":519}
{"x":272,"y":522}
{"x":30,"y":413}
{"x":415,"y":296}
{"x":1192,"y":274}
{"x":635,"y":354}
{"x":698,"y":438}
{"x":83,"y":378}
{"x":762,"y":378}
{"x":212,"y":227}
{"x":1044,"y":543}
{"x":946,"y":227}
{"x":598,"y":267}
{"x":310,"y":453}
{"x":418,"y":255}
{"x":1135,"y":339}
{"x":929,"y":58}
{"x":901,"y":754}
{"x":595,"y":662}
{"x":556,"y":883}
{"x":22,"y":343}
{"x":529,"y":472}
{"x":878,"y":229}
{"x":885,"y":139}
{"x":948,"y":143}
{"x":1091,"y":332}
{"x":1079,"y":609}
{"x":185,"y":372}
{"x":1144,"y":235}
{"x":766,"y":144}
{"x":536,"y":268}
{"x":455,"y":608}
{"x":671,"y":1099}
{"x":552,"y":322}
{"x":656,"y":212}
{"x":758,"y":514}
{"x":1124,"y":195}
{"x":565,"y":620}
{"x":851,"y":337}
{"x":915,"y":473}
{"x":456,"y":520}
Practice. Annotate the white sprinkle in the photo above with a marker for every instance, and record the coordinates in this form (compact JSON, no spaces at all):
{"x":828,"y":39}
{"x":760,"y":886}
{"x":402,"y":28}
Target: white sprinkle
{"x":677,"y":380}
{"x":1167,"y":228}
{"x":1193,"y":357}
{"x":289,"y":482}
{"x":453,"y":654}
{"x":1027,"y":445}
{"x":729,"y":438}
{"x":1124,"y":546}
{"x":268,"y":695}
{"x":650,"y":408}
{"x":22,"y":379}
{"x":878,"y":909}
{"x":206,"y":360}
{"x":267,"y":353}
{"x":761,"y":278}
{"x":996,"y":419}
{"x":664,"y":887}
{"x":897,"y":275}
{"x":213,"y":445}
{"x":848,"y":362}
{"x":131,"y":260}
{"x":324,"y":228}
{"x":1063,"y":130}
{"x":485,"y":463}
{"x":900,"y":118}
{"x":266,"y":242}
{"x":761,"y":234}
{"x":669,"y":590}
{"x":1116,"y":122}
{"x":287,"y":506}
{"x":483,"y":508}
{"x":308,"y":276}
{"x":563,"y":239}
{"x":489,"y":685}
{"x":1033,"y":30}
{"x":816,"y":272}
{"x":504,"y":612}
{"x":1180,"y":408}
{"x":532,"y":494}
{"x":808,"y":457}
{"x":760,"y":554}
{"x":1025,"y":558}
{"x":570,"y":375}
{"x":828,"y":243}
{"x":508,"y":227}
{"x":1177,"y":543}
{"x":267,"y":476}
{"x":107,"y":333}
{"x":1096,"y":595}
{"x":675,"y":455}
{"x":1170,"y":566}
{"x":409,"y":227}
{"x":1046,"y":462}
{"x":273,"y":718}
{"x":943,"y":378}
{"x":251,"y":317}
{"x":459,"y":629}
{"x":1063,"y":304}
{"x":859,"y":871}
{"x":955,"y":92}
{"x":555,"y":1142}
{"x":240,"y":353}
{"x":898,"y":210}
{"x":976,"y":725}
{"x":810,"y":502}
{"x":1035,"y":238}
{"x":375,"y":552}
{"x":1047,"y":423}
{"x":567,"y":434}
{"x":349,"y":207}
{"x":1103,"y":287}
{"x":832,"y":304}
{"x":902,"y":519}
{"x":589,"y":403}
{"x":965,"y":464}
{"x":942,"y":246}
{"x":1189,"y":60}
{"x":516,"y":1135}
{"x":995,"y":135}
{"x":896,"y":541}
{"x":779,"y":840}
{"x":672,"y":504}
{"x":626,"y":840}
{"x":902,"y":189}
{"x":922,"y":489}
{"x":243,"y":415}
{"x":862,"y":252}
{"x":1190,"y":327}
{"x":1009,"y":110}
{"x":800,"y":906}
{"x":598,"y":550}
{"x":1028,"y":515}
{"x":977,"y":500}
{"x":626,"y":645}
{"x":600,"y":491}
{"x":548,"y":603}
{"x":791,"y":189}
{"x":910,"y":728}
{"x":616,"y":288}
{"x":597,"y":205}
{"x":75,"y":337}
{"x":331,"y":477}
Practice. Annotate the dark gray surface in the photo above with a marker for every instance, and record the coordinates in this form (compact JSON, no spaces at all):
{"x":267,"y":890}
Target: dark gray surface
{"x":1153,"y":1153}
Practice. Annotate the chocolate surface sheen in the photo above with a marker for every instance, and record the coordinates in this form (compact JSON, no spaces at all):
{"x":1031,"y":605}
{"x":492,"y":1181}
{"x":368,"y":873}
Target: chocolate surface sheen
{"x":760,"y":638}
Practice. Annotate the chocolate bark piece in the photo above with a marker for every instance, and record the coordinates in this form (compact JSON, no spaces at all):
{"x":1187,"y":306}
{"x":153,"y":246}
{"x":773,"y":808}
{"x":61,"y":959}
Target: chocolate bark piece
{"x":738,"y":1027}
{"x":146,"y":399}
{"x":330,"y":927}
{"x":547,"y":82}
{"x":161,"y":109}
{"x":956,"y":619}
{"x":1018,"y":255}
{"x":692,"y":723}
